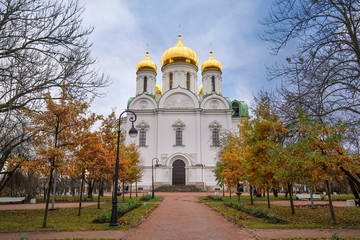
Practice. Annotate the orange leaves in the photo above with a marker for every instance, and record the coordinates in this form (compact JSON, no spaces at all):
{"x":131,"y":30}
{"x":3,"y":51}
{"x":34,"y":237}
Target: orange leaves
{"x":54,"y":132}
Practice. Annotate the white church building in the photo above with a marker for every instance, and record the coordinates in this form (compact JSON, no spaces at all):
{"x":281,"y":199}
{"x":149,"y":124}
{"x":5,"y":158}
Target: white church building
{"x":180,"y":124}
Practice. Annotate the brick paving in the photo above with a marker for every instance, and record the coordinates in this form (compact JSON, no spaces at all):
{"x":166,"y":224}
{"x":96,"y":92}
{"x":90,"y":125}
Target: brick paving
{"x":181,"y":216}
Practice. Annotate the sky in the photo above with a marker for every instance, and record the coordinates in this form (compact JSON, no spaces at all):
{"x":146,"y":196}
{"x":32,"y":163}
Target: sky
{"x":123,"y":28}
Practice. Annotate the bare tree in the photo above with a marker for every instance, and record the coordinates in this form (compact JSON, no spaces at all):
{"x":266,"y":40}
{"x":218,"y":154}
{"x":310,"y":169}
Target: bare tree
{"x":43,"y":47}
{"x":327,"y":63}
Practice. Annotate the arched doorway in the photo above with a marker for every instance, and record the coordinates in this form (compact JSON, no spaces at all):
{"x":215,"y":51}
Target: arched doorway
{"x":178,"y":173}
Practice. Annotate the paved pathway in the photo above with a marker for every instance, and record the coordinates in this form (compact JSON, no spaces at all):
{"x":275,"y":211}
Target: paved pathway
{"x":182,"y":216}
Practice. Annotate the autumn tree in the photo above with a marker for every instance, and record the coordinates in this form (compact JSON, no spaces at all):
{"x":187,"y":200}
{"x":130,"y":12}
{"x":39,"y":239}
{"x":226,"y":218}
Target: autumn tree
{"x":233,"y":158}
{"x":322,"y":76}
{"x":218,"y":176}
{"x":262,"y":133}
{"x":53,"y":136}
{"x":324,"y":152}
{"x":134,"y":168}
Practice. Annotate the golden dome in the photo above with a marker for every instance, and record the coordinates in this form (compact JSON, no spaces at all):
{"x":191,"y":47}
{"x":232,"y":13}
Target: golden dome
{"x":146,"y":64}
{"x":211,"y":64}
{"x":179,"y":53}
{"x":158,"y":89}
{"x":200,"y":89}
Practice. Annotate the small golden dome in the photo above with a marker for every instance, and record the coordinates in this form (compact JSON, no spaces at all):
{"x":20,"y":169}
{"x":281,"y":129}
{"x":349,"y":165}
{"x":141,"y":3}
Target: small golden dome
{"x":146,"y":64}
{"x":211,"y":64}
{"x":158,"y":89}
{"x":200,"y":89}
{"x":179,"y":53}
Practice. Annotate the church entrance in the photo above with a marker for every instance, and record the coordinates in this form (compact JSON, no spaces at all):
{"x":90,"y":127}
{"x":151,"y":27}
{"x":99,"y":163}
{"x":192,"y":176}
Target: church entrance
{"x":178,"y":173}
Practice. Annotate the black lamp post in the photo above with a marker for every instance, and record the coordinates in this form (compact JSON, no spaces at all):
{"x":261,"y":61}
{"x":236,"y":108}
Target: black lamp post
{"x":152,"y":174}
{"x":133,"y":133}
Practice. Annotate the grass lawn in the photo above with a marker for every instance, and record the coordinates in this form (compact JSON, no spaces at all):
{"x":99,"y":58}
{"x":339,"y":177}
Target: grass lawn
{"x":246,"y":198}
{"x":66,"y":219}
{"x":108,"y":199}
{"x":347,"y":217}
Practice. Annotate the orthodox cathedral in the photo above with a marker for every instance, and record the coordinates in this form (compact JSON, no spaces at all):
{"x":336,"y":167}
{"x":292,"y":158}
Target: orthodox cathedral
{"x":180,"y":125}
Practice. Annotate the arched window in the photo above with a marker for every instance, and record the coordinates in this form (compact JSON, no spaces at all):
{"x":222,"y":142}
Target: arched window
{"x":213,"y":83}
{"x":235,"y":107}
{"x":188,"y":81}
{"x":215,"y":137}
{"x":142,"y":137}
{"x":171,"y":81}
{"x":178,"y":140}
{"x":145,"y":84}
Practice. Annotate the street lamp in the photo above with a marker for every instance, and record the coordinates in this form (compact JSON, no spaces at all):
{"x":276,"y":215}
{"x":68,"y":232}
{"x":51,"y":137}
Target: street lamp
{"x":133,"y":133}
{"x":152,"y":174}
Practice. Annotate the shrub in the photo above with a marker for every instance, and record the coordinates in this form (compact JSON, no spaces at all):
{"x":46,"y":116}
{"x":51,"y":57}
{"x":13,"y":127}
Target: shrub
{"x":214,"y":197}
{"x":146,"y":197}
{"x":103,"y":217}
{"x":257,"y":212}
{"x":121,"y":210}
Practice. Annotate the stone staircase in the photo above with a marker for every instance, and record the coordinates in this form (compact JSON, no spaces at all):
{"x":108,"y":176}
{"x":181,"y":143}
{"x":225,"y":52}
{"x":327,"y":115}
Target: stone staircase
{"x":178,"y":188}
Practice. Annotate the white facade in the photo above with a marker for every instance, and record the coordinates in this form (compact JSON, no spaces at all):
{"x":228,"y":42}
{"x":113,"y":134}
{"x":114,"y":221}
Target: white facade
{"x":180,"y":109}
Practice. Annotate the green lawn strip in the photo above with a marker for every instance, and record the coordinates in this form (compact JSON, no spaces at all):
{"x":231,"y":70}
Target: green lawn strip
{"x":108,"y":199}
{"x":320,"y":238}
{"x":65,"y":219}
{"x":347,"y":217}
{"x":246,"y":198}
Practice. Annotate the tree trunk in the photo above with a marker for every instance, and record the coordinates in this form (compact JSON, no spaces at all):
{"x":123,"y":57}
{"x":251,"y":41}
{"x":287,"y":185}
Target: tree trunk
{"x":136,"y":192}
{"x":123,"y":195}
{"x":268,"y":197}
{"x":230,"y":193}
{"x":223,"y":187}
{"x":291,"y":199}
{"x":275,"y":193}
{"x":130,"y":189}
{"x":100,"y":183}
{"x":81,"y":191}
{"x":48,"y":197}
{"x":353,"y":189}
{"x":332,"y":212}
{"x":101,"y":188}
{"x":352,"y":179}
{"x":251,"y":195}
{"x":91,"y":184}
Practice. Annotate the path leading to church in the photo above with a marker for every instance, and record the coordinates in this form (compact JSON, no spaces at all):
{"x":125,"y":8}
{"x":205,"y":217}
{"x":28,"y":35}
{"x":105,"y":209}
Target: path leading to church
{"x":182,"y":216}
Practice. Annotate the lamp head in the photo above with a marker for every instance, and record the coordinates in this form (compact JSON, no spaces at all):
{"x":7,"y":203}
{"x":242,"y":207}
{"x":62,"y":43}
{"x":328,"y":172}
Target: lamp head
{"x":133,"y":132}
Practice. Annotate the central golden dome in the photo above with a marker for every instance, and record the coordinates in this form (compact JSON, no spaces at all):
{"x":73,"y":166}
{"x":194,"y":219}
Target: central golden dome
{"x":179,"y":53}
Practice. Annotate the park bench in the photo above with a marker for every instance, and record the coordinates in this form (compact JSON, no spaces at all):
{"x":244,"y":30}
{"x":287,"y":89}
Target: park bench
{"x":308,"y":196}
{"x":12,"y":200}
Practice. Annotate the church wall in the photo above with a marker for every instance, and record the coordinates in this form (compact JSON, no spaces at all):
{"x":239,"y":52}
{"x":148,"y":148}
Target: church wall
{"x":179,"y":71}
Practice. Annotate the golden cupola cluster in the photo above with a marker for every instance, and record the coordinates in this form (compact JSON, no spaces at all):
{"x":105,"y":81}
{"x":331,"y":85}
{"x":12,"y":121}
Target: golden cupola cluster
{"x":179,"y":53}
{"x":146,"y":64}
{"x":211,"y":64}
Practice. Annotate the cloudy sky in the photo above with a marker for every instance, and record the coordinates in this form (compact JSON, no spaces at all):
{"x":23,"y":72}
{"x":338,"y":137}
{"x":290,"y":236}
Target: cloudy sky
{"x":123,"y":28}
